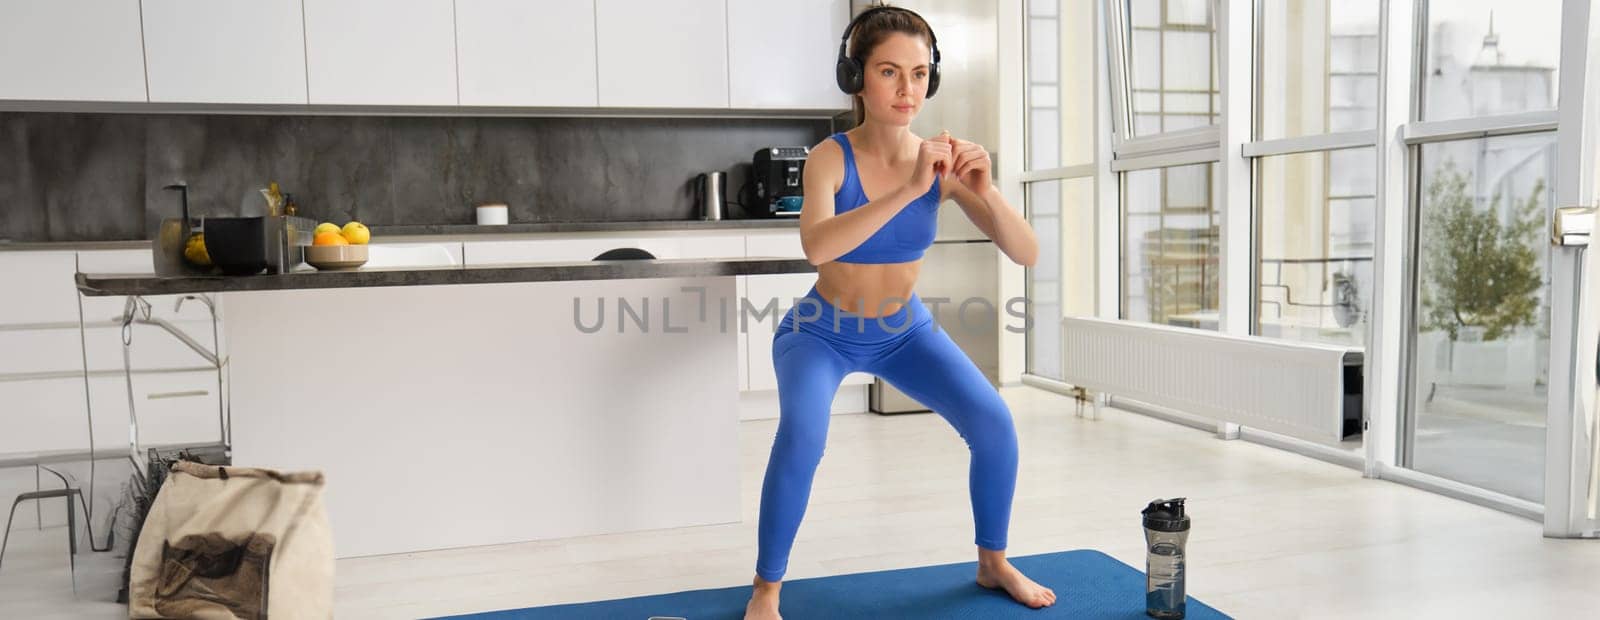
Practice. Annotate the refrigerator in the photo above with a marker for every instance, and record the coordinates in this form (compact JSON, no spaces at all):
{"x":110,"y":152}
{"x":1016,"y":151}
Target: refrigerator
{"x":962,"y":264}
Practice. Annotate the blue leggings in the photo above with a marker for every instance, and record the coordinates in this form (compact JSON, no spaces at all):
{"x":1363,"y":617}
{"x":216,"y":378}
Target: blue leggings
{"x":815,"y":346}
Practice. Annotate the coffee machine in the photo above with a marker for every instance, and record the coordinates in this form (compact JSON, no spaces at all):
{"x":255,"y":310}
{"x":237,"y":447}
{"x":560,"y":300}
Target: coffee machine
{"x":775,"y":176}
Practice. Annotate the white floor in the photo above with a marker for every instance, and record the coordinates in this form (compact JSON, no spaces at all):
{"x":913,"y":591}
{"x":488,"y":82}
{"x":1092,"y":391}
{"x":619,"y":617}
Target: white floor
{"x":1276,"y":535}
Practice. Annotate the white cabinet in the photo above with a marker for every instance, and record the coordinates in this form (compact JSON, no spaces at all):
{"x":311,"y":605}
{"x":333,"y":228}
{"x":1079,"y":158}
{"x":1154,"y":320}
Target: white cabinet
{"x":43,"y":415}
{"x":744,"y":337}
{"x":176,"y":391}
{"x":728,"y":246}
{"x":663,"y":53}
{"x":381,"y":52}
{"x":422,"y":254}
{"x":755,"y":336}
{"x":792,"y":70}
{"x":521,"y":53}
{"x":762,"y":291}
{"x":644,"y":54}
{"x":481,"y":253}
{"x":225,"y":51}
{"x":478,"y":253}
{"x":38,"y":287}
{"x":74,"y":50}
{"x":177,"y":407}
{"x":785,"y":244}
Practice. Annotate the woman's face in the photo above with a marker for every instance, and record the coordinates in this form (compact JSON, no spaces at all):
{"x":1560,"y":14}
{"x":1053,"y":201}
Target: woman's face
{"x":896,"y":80}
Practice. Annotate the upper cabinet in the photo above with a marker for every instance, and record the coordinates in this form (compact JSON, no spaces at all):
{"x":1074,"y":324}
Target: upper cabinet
{"x":572,"y":54}
{"x":225,"y":51}
{"x":522,"y":53}
{"x":381,"y":52}
{"x":662,"y":53}
{"x":791,"y":70}
{"x":71,"y":50}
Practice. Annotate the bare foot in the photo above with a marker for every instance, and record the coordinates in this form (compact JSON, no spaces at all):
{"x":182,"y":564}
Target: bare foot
{"x":999,"y":574}
{"x":763,"y":601}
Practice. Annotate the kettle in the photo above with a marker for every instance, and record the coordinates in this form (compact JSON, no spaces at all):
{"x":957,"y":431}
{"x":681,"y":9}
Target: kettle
{"x":710,"y":189}
{"x":172,"y":239}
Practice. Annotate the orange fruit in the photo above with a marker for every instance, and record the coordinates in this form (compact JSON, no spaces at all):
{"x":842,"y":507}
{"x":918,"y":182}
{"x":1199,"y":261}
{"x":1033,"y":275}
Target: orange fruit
{"x":329,"y":238}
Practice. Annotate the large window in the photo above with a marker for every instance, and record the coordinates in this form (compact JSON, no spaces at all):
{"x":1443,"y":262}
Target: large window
{"x":1171,"y":245}
{"x":1061,"y":284}
{"x":1315,"y":245}
{"x":1061,"y":75}
{"x":1318,"y":66}
{"x":1164,"y":60}
{"x":1372,"y":164}
{"x":1490,"y":57}
{"x":1315,"y":169}
{"x":1059,"y":171}
{"x":1173,"y":72}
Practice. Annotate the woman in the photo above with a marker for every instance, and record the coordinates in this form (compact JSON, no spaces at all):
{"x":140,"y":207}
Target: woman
{"x":871,"y":198}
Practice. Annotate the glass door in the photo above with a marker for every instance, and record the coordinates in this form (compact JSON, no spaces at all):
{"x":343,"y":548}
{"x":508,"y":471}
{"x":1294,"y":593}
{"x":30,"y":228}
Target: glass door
{"x":1572,"y":474}
{"x":1480,"y":373}
{"x":1503,"y":311}
{"x":1485,"y":172}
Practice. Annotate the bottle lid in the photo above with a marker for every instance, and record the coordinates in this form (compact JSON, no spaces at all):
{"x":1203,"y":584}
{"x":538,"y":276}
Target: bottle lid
{"x":1166,"y":515}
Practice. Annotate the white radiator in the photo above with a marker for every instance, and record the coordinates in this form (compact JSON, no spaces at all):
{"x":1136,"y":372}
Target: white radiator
{"x":1303,"y":390}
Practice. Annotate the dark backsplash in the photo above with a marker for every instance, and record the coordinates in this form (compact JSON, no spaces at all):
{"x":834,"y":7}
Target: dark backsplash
{"x":99,"y":177}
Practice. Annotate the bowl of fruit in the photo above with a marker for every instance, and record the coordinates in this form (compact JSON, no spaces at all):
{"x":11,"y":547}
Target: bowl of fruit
{"x":338,"y":249}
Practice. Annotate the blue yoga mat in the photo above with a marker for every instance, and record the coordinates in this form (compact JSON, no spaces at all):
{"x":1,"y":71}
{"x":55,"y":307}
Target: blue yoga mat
{"x":1088,"y":584}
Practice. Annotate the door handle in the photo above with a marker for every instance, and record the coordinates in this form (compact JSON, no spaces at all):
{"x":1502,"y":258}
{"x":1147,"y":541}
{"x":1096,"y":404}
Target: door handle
{"x":182,"y":394}
{"x":1572,"y":226}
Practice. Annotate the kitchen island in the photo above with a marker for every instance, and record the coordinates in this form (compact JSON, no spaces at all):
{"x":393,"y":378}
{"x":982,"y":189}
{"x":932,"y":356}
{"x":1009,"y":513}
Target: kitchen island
{"x":460,"y":406}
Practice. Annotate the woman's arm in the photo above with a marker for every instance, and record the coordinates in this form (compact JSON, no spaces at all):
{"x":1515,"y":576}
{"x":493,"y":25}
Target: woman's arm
{"x":825,"y":236}
{"x":1000,"y":222}
{"x":987,"y":207}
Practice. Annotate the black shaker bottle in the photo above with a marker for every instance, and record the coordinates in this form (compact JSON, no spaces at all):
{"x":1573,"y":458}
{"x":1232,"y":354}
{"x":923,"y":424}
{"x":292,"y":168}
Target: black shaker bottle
{"x":1166,"y":529}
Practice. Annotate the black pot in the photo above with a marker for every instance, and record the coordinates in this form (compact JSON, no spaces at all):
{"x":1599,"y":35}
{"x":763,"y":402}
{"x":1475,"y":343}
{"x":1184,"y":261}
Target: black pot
{"x":239,"y":246}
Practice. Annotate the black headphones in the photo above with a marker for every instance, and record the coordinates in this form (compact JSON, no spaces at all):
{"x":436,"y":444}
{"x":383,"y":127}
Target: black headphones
{"x":848,"y":71}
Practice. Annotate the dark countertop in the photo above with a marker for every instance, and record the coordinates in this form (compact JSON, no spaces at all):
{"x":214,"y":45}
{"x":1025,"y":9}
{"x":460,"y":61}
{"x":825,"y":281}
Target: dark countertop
{"x":100,"y":285}
{"x":455,"y":230}
{"x":559,"y":227}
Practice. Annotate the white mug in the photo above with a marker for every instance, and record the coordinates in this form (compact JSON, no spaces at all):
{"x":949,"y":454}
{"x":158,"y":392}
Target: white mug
{"x":492,"y":215}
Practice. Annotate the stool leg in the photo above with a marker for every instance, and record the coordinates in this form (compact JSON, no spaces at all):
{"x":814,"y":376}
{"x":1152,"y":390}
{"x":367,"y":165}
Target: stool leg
{"x":72,"y":541}
{"x":7,"y":538}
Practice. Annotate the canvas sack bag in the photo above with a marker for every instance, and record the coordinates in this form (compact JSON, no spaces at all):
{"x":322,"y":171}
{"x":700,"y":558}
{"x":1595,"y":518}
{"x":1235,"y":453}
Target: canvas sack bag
{"x":234,"y":542}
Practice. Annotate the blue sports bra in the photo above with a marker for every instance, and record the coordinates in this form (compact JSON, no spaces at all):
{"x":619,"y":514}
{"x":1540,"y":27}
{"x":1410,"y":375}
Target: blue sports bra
{"x":905,"y":236}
